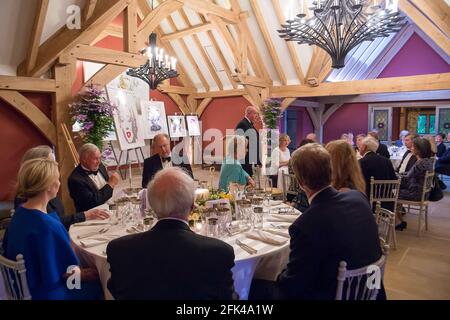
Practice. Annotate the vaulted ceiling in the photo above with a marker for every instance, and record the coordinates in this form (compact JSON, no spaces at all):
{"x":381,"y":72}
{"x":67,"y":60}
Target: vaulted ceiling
{"x":206,"y":45}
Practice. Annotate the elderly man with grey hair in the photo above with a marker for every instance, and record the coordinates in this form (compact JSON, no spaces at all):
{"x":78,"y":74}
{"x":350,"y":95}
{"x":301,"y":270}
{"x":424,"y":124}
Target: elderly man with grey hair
{"x":161,"y":159}
{"x":247,"y":128}
{"x":170,"y":262}
{"x":89,"y":183}
{"x":374,"y":165}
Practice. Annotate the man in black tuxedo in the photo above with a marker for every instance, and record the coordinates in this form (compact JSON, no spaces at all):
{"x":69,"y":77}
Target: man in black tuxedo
{"x":443,"y":163}
{"x":374,"y":165}
{"x":89,"y":183}
{"x":246,"y":127}
{"x":162,"y":159}
{"x":338,"y":226}
{"x":382,"y":148}
{"x":170,"y":262}
{"x":408,"y":159}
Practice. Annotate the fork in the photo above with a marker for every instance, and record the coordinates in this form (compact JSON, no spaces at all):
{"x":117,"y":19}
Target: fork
{"x":90,"y":234}
{"x":246,"y":247}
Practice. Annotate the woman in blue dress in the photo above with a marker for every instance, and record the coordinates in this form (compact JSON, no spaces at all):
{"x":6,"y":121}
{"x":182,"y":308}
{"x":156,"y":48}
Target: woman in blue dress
{"x":232,"y":171}
{"x":41,"y":238}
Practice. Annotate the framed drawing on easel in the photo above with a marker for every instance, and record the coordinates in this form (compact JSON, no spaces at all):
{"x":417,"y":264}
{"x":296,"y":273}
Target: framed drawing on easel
{"x":154,"y":118}
{"x":177,"y":126}
{"x":129,"y":128}
{"x":193,"y":126}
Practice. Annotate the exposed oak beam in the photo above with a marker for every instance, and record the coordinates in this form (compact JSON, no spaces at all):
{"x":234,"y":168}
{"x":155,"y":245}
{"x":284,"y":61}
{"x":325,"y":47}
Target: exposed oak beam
{"x":88,"y":9}
{"x":202,"y":51}
{"x":36,"y":34}
{"x":130,"y":28}
{"x":437,"y":12}
{"x":31,"y":112}
{"x":64,"y":39}
{"x":205,"y":7}
{"x":189,"y":55}
{"x":290,"y":44}
{"x":397,"y":84}
{"x":107,"y":56}
{"x":220,"y":94}
{"x":176,"y":89}
{"x":154,"y":18}
{"x":268,"y":40}
{"x":425,"y":25}
{"x":188,"y":31}
{"x":27,"y":84}
{"x":180,"y":103}
{"x":202,"y":106}
{"x":389,"y":97}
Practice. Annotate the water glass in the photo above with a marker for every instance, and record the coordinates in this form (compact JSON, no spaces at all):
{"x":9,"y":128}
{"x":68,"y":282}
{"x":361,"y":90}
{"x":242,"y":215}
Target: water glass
{"x":258,"y":217}
{"x":212,"y":228}
{"x":224,"y":220}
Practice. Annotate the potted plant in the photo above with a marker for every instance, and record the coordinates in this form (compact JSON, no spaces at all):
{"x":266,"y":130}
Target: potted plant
{"x":93,"y":114}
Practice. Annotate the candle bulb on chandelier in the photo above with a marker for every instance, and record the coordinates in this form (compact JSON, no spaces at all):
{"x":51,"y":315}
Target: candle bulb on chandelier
{"x":166,"y":62}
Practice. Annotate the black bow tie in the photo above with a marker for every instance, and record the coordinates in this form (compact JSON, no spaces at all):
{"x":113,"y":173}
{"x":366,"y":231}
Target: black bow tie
{"x":165,"y":159}
{"x":91,"y":172}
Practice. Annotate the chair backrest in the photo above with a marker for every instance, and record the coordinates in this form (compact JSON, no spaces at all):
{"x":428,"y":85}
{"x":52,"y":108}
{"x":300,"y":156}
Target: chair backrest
{"x":428,"y":184}
{"x":385,"y":220}
{"x":349,"y":282}
{"x":384,"y":191}
{"x":290,"y":185}
{"x":14,"y":278}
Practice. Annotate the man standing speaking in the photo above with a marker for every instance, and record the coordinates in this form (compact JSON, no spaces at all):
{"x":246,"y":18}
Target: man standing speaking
{"x":246,"y":128}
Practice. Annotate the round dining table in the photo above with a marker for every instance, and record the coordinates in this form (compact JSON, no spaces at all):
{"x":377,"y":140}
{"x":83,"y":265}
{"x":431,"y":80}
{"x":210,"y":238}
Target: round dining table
{"x":90,"y":239}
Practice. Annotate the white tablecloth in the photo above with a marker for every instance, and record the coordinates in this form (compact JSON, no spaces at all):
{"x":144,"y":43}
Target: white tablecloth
{"x":266,"y":264}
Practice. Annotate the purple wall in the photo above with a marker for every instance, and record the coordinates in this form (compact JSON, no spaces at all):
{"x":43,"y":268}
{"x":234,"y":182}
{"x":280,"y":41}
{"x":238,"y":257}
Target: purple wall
{"x":348,"y":118}
{"x":416,"y":57}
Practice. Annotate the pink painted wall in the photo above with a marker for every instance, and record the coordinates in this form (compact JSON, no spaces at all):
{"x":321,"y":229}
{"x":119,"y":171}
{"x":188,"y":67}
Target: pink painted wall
{"x":416,"y":57}
{"x":348,"y":118}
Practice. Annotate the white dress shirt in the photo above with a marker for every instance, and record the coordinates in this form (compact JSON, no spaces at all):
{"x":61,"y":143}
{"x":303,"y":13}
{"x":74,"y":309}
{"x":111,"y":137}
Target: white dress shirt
{"x":98,"y":179}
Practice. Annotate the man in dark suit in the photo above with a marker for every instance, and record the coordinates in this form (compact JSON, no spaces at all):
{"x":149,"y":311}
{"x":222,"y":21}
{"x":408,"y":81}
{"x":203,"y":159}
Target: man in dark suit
{"x":408,"y":159}
{"x":440,"y":146}
{"x":170,"y":262}
{"x":382,"y":148}
{"x":162,"y":159}
{"x":338,"y":226}
{"x":443,"y":163}
{"x":89,"y":183}
{"x":246,"y":127}
{"x":374,"y":165}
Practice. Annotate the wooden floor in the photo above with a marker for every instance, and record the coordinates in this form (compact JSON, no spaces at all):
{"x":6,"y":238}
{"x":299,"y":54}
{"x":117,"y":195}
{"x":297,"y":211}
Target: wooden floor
{"x":420,"y":267}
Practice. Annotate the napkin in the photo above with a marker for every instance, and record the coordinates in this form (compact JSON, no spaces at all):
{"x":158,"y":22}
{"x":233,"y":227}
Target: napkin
{"x":266,"y":237}
{"x":274,"y":203}
{"x":283,"y":217}
{"x":89,"y":243}
{"x":278,"y":232}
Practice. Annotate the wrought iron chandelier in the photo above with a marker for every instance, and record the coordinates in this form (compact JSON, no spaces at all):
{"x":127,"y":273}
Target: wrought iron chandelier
{"x":158,"y":68}
{"x":338,"y":26}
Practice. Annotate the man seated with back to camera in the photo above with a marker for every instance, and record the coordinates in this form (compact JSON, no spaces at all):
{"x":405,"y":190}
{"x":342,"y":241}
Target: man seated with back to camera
{"x":338,"y":226}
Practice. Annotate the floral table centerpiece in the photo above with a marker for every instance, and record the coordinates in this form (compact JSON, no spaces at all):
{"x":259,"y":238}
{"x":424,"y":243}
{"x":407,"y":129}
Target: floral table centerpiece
{"x":94,"y":115}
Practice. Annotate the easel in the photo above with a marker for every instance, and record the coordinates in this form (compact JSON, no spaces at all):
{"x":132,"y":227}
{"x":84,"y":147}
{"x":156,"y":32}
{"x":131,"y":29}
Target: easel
{"x":73,"y":150}
{"x":128,"y":162}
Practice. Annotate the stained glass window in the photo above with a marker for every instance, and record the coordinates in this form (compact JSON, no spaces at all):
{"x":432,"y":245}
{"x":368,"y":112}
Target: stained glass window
{"x":432,"y":124}
{"x":422,"y":124}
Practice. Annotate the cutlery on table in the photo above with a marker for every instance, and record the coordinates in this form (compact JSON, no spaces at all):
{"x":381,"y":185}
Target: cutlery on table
{"x":246,"y":247}
{"x":94,"y":233}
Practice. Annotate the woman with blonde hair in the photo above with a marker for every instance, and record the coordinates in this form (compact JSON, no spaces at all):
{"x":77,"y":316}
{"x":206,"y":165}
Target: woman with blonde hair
{"x":345,"y":170}
{"x":55,"y":204}
{"x":232,"y":171}
{"x":280,"y":159}
{"x":41,"y":238}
